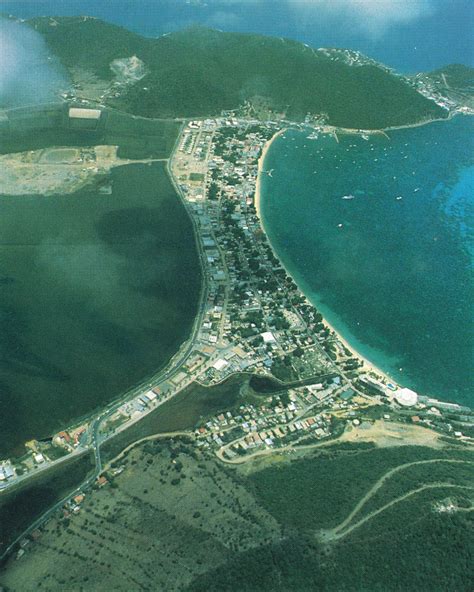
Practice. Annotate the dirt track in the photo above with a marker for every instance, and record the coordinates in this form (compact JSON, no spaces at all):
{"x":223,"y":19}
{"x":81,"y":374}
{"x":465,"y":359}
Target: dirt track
{"x":344,"y":528}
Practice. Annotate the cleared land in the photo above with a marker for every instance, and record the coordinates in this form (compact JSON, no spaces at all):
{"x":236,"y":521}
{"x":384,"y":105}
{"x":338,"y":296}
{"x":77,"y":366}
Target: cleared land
{"x":60,"y":170}
{"x":56,"y":170}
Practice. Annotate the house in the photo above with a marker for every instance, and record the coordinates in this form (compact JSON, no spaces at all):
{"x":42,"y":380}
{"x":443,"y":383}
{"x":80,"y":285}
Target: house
{"x":65,"y":436}
{"x":101,"y":481}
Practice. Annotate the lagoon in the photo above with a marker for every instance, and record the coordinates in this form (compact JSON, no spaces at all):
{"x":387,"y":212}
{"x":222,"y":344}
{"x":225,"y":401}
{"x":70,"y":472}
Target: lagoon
{"x":97,"y":293}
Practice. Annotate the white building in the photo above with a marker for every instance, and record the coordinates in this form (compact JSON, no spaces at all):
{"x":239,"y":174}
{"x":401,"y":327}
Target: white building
{"x":406,"y":397}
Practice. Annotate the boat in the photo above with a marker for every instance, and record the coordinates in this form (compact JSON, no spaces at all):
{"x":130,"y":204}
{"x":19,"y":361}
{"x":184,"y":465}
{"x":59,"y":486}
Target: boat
{"x":348,"y":197}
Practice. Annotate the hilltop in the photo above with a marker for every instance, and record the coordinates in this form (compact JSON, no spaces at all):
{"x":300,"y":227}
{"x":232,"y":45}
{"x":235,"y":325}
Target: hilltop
{"x":456,"y":76}
{"x":199,"y":72}
{"x":451,"y":87}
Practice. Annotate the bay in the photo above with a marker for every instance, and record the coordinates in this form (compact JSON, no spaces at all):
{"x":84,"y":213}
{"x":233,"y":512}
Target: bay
{"x":378,"y":234}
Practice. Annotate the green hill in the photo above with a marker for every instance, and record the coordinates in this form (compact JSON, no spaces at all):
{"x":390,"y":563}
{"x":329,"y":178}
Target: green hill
{"x":457,"y":76}
{"x":200,"y":72}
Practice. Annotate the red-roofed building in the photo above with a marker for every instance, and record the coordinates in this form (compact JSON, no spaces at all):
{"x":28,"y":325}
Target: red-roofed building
{"x":101,"y":481}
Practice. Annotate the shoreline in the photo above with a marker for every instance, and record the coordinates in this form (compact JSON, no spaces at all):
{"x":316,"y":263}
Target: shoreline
{"x":261,"y":162}
{"x":368,"y":366}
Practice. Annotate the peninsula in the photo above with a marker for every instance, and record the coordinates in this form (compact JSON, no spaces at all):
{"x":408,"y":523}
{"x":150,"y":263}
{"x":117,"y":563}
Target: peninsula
{"x":261,"y":379}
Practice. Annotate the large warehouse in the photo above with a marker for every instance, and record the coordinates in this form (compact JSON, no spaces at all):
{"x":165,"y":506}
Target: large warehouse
{"x":80,"y":118}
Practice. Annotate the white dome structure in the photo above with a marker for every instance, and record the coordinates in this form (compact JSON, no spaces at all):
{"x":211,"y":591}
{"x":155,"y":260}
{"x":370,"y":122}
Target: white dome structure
{"x":406,"y":397}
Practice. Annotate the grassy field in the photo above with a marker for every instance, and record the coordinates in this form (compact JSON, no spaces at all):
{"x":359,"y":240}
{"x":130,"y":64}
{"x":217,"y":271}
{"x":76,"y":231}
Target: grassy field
{"x":176,"y":519}
{"x":44,"y":126}
{"x":171,"y":514}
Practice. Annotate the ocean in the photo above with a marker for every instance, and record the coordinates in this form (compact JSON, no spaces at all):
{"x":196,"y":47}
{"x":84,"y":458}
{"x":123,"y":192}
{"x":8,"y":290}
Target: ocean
{"x":378,"y":234}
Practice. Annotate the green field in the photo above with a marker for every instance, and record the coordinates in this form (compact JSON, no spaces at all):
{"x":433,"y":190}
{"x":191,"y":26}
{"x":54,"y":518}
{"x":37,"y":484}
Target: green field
{"x":33,"y":128}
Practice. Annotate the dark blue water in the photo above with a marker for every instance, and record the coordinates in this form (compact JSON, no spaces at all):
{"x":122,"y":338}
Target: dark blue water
{"x":411,"y":36}
{"x":391,"y":267}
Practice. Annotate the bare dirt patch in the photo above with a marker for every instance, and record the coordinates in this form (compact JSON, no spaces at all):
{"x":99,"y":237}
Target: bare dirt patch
{"x":385,"y":433}
{"x":55,"y":170}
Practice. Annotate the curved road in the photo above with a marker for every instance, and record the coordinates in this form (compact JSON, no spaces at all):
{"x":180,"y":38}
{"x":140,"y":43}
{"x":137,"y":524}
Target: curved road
{"x":343,"y":528}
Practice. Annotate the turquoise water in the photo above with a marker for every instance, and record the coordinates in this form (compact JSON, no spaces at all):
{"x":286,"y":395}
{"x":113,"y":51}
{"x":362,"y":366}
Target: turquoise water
{"x":390,"y":267}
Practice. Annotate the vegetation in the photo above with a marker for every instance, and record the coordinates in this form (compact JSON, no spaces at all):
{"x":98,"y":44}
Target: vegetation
{"x":457,"y":76}
{"x":407,"y":547}
{"x":34,"y":128}
{"x":138,"y":138}
{"x":414,"y":550}
{"x":334,"y":480}
{"x":177,"y":519}
{"x":199,"y":72}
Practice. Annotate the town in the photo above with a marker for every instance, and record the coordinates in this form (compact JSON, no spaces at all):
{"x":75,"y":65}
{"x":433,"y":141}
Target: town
{"x":255,"y":320}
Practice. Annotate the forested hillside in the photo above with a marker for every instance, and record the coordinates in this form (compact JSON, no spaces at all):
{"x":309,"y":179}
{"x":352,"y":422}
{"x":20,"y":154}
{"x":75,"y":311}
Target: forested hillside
{"x":199,"y":72}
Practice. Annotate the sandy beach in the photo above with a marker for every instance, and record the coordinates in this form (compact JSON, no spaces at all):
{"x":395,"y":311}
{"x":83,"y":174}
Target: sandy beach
{"x":368,"y":366}
{"x":261,"y":162}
